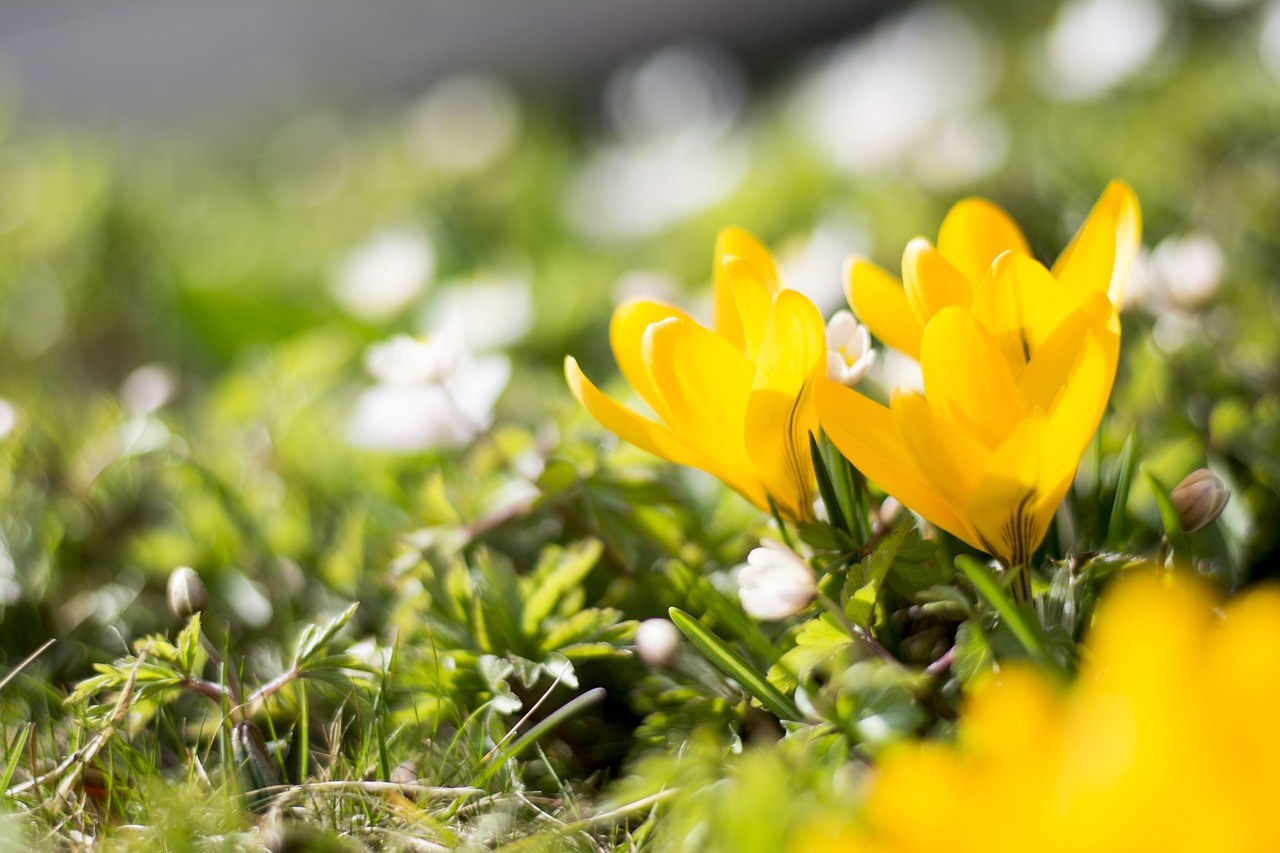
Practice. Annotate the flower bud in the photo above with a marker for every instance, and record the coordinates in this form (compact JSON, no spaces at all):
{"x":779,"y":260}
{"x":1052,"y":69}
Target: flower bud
{"x":187,"y":595}
{"x":1199,"y":499}
{"x":657,"y":641}
{"x":849,"y":352}
{"x":776,"y":582}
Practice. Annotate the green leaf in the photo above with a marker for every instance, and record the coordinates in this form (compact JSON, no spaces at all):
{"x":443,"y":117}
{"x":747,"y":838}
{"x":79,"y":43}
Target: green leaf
{"x":818,"y":641}
{"x":1126,"y":465}
{"x":191,"y":657}
{"x":1015,"y":618}
{"x":901,"y":554}
{"x":735,"y":666}
{"x":824,"y":537}
{"x":973,"y":652}
{"x":559,"y":571}
{"x":827,"y":490}
{"x":1168,"y":515}
{"x":314,"y":638}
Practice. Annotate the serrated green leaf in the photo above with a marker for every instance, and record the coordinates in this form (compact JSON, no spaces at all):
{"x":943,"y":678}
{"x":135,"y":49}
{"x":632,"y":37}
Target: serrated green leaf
{"x":191,"y":657}
{"x":818,"y":641}
{"x":583,"y":626}
{"x":315,"y":638}
{"x":560,"y":570}
{"x":735,"y":666}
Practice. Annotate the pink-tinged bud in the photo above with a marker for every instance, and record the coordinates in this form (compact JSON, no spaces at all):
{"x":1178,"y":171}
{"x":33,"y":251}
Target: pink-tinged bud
{"x":1199,"y":499}
{"x":776,"y":582}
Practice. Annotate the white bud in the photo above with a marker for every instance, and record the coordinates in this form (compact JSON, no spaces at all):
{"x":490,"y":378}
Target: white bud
{"x":849,"y":352}
{"x":657,"y":641}
{"x":187,"y":594}
{"x":776,"y":582}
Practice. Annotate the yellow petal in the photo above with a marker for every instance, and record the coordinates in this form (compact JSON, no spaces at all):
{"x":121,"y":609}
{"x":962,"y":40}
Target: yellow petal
{"x":930,"y":282}
{"x":1093,"y":328}
{"x":626,"y":330}
{"x":975,"y":233}
{"x":966,"y":379}
{"x":1012,"y":503}
{"x":950,"y":457}
{"x":865,"y":432}
{"x":1020,"y":304}
{"x":734,"y":242}
{"x":753,"y":301}
{"x":1118,"y":208}
{"x":780,"y":413}
{"x":655,"y":438}
{"x":881,"y":305}
{"x":704,"y":384}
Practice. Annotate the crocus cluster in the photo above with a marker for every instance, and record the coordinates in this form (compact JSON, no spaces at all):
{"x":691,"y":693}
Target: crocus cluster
{"x":1018,"y":362}
{"x":1166,"y":741}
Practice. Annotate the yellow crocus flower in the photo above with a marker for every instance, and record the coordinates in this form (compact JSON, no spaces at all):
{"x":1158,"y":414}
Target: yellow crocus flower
{"x":974,"y":233}
{"x":1165,"y":742}
{"x":734,"y":401}
{"x":1017,"y":365}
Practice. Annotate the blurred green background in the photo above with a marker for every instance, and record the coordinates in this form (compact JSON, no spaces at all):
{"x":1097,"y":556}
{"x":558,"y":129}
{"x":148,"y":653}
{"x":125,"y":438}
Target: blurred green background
{"x":210,"y":218}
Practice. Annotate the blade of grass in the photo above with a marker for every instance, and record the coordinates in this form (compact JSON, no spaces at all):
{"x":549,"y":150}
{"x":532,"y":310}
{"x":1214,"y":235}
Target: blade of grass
{"x":555,"y":718}
{"x":826,"y":488}
{"x":1169,"y":516}
{"x":1127,"y":464}
{"x":735,"y":666}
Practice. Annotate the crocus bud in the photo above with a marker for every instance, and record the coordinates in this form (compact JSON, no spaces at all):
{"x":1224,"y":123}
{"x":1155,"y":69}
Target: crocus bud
{"x":776,"y":582}
{"x":849,"y":352}
{"x":657,"y":641}
{"x":1199,"y":499}
{"x":187,"y":595}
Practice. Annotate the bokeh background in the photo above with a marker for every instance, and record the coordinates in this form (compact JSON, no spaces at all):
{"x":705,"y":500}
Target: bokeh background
{"x":213,"y":216}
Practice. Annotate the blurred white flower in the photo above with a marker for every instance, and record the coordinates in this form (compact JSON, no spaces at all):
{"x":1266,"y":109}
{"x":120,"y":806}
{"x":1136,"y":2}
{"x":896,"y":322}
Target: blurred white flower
{"x":657,"y":641}
{"x":431,"y":393}
{"x":873,"y":99}
{"x":892,"y":370}
{"x":676,"y":152}
{"x":465,"y":123}
{"x":406,"y":360}
{"x":960,"y":150}
{"x":1095,"y":45}
{"x":632,"y":191}
{"x":1269,"y":38}
{"x":680,"y":90}
{"x":776,"y":582}
{"x":849,"y":352}
{"x":147,"y":389}
{"x":489,"y":310}
{"x":8,"y":418}
{"x":1179,"y":275}
{"x":814,"y":265}
{"x":379,"y":279}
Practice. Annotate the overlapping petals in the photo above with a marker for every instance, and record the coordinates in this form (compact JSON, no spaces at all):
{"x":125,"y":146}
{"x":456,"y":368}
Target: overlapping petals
{"x":735,"y":401}
{"x":1018,"y":364}
{"x":974,"y":233}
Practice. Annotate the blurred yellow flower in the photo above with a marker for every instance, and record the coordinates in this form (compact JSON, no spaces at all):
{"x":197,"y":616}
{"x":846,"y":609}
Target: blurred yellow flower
{"x":958,"y":270}
{"x":1167,"y":741}
{"x":735,"y":402}
{"x":1017,"y":365}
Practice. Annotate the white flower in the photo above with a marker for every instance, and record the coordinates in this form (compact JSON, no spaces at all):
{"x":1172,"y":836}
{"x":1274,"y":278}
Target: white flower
{"x":147,"y":389}
{"x":849,"y":352}
{"x":869,"y":103}
{"x":431,"y":393}
{"x":8,"y":417}
{"x":657,"y":641}
{"x":380,"y":278}
{"x":406,"y":360}
{"x":1095,"y":45}
{"x":776,"y":582}
{"x":488,"y":310}
{"x":1186,"y":271}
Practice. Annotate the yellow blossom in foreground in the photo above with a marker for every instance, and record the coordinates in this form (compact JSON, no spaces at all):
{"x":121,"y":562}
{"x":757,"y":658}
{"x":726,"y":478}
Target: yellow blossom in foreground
{"x":1167,"y":741}
{"x":957,"y":271}
{"x":1017,"y":373}
{"x":735,"y":402}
